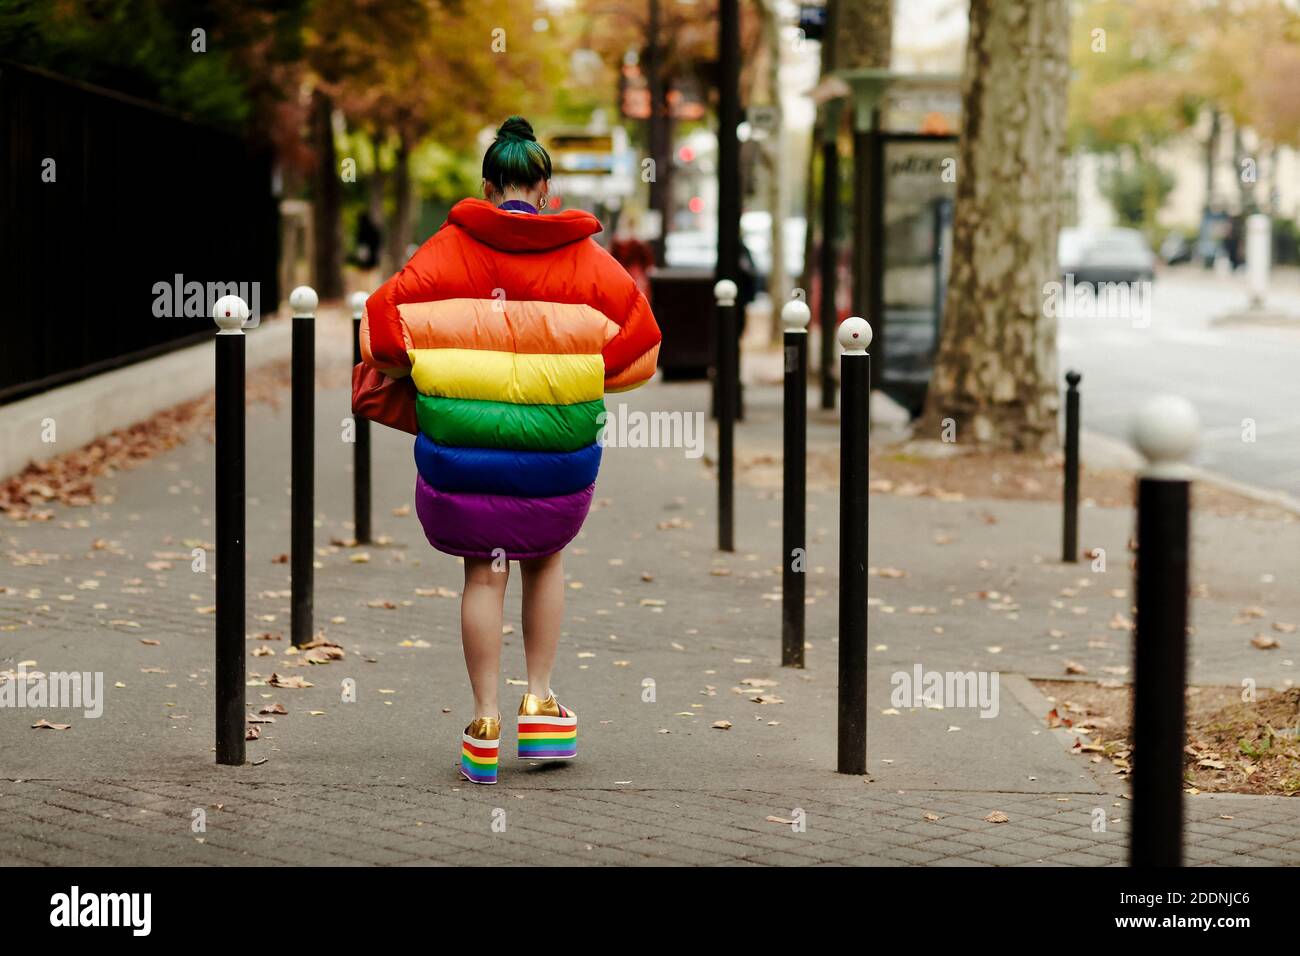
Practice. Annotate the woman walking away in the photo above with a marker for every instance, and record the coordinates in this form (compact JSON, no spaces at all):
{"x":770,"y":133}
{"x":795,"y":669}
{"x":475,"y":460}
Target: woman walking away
{"x":512,"y":326}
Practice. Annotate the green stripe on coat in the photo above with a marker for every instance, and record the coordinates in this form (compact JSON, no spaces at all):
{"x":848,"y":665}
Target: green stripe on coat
{"x":470,"y":423}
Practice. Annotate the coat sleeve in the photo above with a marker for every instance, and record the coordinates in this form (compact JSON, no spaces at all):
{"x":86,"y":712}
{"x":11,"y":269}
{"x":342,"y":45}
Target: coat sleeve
{"x":384,"y":339}
{"x":633,"y":353}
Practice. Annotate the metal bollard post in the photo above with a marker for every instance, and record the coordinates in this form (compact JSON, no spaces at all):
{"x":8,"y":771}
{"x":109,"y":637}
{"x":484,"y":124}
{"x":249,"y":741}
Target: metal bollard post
{"x":230,"y":312}
{"x":1070,"y":498}
{"x":361,"y":444}
{"x":302,"y":477}
{"x":1165,"y":432}
{"x":855,"y":387}
{"x":1259,"y":255}
{"x":794,"y":482}
{"x":725,"y":292}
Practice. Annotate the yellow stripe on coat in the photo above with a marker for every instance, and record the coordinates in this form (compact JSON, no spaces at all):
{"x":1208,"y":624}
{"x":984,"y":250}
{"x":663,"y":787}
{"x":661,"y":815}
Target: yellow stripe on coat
{"x":508,"y":377}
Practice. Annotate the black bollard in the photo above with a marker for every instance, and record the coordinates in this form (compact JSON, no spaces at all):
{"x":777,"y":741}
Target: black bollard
{"x":302,"y":477}
{"x":855,"y":395}
{"x":794,"y":482}
{"x":230,"y":313}
{"x":1070,"y":531}
{"x":728,"y":373}
{"x":361,"y":442}
{"x":1165,"y":433}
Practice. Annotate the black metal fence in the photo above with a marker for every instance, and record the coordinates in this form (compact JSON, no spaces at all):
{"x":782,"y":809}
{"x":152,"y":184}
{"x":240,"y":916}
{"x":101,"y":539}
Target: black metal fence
{"x":104,"y":201}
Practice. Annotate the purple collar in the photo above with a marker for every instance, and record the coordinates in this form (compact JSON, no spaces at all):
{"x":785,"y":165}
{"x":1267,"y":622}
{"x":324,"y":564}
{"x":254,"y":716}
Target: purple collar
{"x":518,"y":205}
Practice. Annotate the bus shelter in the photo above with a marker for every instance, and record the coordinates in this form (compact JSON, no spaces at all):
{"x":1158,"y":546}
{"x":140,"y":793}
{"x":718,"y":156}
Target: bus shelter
{"x":904,"y":184}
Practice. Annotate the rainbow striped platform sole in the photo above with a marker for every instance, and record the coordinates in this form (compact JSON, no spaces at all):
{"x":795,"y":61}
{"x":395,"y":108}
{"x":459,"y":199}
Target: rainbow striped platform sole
{"x":478,"y":759}
{"x":548,"y":738}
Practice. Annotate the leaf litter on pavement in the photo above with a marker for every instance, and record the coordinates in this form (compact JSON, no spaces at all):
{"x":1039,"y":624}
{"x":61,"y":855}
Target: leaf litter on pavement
{"x":1233,"y":745}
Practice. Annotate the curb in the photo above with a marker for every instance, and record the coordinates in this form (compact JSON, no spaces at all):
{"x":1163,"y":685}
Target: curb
{"x":1032,"y":700}
{"x":1116,"y":453}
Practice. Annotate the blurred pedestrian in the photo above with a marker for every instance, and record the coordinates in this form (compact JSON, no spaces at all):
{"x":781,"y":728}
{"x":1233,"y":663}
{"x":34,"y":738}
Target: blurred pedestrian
{"x":366,"y":249}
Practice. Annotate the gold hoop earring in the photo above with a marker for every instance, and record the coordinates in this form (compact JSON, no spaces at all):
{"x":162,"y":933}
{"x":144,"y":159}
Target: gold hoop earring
{"x":541,"y":203}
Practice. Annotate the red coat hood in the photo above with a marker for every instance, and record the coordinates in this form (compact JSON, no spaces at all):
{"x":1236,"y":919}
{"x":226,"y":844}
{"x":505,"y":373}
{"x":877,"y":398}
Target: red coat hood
{"x":521,"y":232}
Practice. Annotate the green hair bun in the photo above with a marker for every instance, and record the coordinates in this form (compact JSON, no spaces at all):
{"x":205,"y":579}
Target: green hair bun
{"x":517,"y":128}
{"x":515,"y":158}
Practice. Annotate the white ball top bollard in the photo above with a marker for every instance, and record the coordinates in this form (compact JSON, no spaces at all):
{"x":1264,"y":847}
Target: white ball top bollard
{"x":303,"y":302}
{"x":795,"y":315}
{"x":854,"y":334}
{"x":1166,"y":431}
{"x":358,"y":302}
{"x":230,"y":313}
{"x":725,"y":292}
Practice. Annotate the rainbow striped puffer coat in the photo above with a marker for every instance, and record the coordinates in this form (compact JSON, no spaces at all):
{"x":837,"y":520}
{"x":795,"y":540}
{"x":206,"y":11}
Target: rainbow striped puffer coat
{"x":512,"y":327}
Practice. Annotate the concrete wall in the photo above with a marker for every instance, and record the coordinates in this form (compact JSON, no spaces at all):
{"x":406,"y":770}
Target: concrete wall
{"x":98,"y":405}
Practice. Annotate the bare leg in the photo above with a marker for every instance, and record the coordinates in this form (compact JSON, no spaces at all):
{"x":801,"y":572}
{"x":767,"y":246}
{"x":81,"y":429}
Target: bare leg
{"x":480,"y":631}
{"x":543,"y":613}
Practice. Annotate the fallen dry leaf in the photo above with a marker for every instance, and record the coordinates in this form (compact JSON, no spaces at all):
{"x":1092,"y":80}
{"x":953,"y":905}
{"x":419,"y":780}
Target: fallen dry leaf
{"x":1056,"y":720}
{"x":292,"y":681}
{"x":44,"y":724}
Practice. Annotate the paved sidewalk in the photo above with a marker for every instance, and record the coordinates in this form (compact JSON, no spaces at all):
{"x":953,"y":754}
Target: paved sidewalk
{"x":651,"y":604}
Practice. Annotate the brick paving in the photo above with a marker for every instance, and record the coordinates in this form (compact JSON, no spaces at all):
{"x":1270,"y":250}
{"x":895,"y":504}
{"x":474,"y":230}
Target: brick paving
{"x":153,"y":821}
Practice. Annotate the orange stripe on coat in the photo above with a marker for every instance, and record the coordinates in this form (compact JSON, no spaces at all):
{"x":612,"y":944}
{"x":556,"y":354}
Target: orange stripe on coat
{"x":519,"y":326}
{"x":367,"y":355}
{"x":638,"y":373}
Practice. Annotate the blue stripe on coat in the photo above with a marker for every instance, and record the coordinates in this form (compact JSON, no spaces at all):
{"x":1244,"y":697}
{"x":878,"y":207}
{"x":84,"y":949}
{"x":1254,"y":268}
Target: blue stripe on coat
{"x":504,"y":471}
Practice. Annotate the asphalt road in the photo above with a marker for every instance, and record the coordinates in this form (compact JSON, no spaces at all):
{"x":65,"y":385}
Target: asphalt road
{"x":1235,"y":372}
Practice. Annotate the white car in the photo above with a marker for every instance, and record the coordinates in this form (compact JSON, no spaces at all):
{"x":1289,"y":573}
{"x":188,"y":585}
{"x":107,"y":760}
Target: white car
{"x":1105,"y":255}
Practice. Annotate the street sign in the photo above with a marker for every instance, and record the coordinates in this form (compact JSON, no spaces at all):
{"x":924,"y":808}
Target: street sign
{"x":583,"y":154}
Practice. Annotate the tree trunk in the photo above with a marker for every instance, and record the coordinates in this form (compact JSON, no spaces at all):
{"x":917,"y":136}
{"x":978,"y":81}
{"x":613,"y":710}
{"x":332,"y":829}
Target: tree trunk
{"x":1211,"y":156}
{"x":659,"y":133}
{"x":778,"y":283}
{"x":399,"y":228}
{"x":995,"y":374}
{"x":1246,"y":199}
{"x":327,"y":186}
{"x":375,"y":206}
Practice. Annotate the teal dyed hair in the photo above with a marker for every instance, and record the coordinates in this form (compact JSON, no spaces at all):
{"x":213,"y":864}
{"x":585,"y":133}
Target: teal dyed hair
{"x":515,"y":158}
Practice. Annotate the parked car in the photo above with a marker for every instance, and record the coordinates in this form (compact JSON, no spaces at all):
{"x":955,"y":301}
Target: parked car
{"x":698,"y":249}
{"x":1105,"y":255}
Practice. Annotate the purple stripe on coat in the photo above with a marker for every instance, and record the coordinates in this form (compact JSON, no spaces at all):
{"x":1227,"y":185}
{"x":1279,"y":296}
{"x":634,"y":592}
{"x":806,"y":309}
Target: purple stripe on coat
{"x":476,"y":525}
